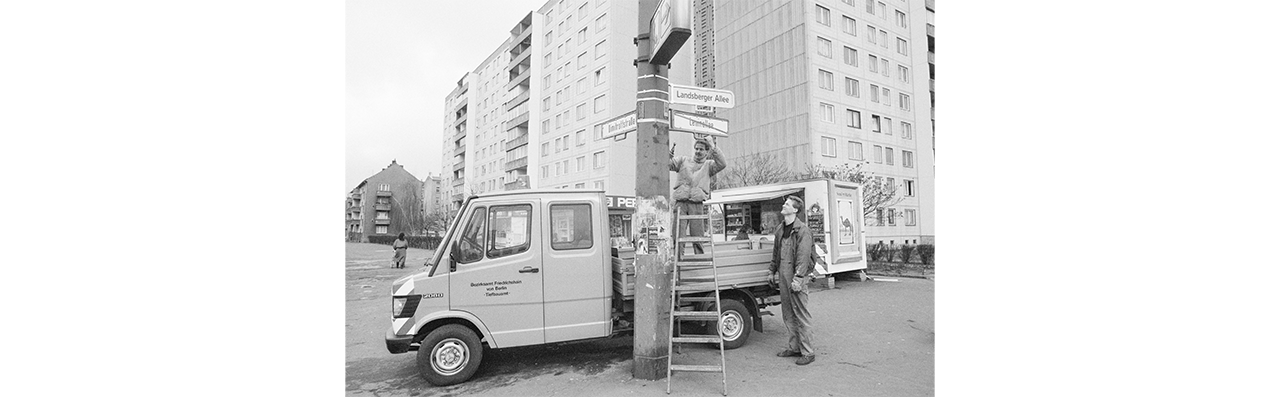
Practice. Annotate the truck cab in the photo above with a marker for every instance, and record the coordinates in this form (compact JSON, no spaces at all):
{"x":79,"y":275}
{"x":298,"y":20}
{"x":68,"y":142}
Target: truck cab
{"x":514,"y":269}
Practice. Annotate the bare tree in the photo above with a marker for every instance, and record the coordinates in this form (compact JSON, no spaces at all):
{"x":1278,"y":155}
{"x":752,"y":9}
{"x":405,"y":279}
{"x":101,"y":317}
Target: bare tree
{"x":756,"y":169}
{"x":410,"y":211}
{"x":877,"y":192}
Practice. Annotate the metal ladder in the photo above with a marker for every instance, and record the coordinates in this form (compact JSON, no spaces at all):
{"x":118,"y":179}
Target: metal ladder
{"x":678,"y":284}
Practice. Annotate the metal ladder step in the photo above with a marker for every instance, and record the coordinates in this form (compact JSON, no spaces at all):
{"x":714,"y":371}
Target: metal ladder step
{"x":696,"y":298}
{"x":695,"y":287}
{"x":695,"y":368}
{"x":696,"y":339}
{"x":693,"y":315}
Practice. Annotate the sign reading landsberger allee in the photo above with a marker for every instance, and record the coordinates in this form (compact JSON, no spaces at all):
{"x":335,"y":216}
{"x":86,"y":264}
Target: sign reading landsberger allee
{"x":686,"y":95}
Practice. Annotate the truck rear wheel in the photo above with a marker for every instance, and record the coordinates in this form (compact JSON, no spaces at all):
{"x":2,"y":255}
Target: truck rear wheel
{"x":735,"y":323}
{"x":449,"y":355}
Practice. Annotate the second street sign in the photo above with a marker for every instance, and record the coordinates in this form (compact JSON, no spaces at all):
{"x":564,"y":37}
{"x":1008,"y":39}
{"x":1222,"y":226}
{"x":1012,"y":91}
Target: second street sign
{"x":700,"y":96}
{"x":698,"y":124}
{"x":619,"y":125}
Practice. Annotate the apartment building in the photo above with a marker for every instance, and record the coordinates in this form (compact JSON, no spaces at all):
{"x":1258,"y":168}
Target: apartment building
{"x":833,"y":82}
{"x":384,"y":204}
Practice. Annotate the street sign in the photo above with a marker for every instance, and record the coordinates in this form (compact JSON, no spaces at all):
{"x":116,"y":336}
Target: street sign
{"x":670,"y":27}
{"x":698,"y":124}
{"x":619,"y":125}
{"x":686,"y":95}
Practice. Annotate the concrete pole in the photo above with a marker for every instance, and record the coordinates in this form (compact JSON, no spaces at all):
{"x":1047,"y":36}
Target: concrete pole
{"x":652,"y":220}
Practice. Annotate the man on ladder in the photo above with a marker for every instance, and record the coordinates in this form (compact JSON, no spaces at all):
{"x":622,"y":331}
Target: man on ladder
{"x":693,"y":183}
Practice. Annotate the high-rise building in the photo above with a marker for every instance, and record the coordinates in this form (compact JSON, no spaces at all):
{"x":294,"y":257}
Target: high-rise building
{"x":826,"y":83}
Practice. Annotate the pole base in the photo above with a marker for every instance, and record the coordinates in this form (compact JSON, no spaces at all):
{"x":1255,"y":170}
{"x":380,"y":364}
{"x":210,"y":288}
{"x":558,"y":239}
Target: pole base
{"x":649,"y":368}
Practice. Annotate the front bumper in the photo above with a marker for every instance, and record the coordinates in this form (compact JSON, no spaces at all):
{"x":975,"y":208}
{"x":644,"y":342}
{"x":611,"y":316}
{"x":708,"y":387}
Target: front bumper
{"x":397,"y":344}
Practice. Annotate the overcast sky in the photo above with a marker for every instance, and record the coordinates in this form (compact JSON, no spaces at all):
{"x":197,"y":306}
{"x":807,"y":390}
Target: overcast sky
{"x":403,"y":57}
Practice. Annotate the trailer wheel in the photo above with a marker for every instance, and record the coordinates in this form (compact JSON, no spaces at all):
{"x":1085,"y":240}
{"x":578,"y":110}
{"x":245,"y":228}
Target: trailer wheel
{"x":449,"y":355}
{"x":735,"y":324}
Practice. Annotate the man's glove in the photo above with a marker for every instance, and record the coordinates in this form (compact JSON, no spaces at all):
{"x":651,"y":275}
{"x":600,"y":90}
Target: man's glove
{"x":796,"y":283}
{"x":773,"y":278}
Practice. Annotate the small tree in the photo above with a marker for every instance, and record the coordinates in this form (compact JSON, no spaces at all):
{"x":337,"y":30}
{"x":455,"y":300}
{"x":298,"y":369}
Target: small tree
{"x":756,"y":169}
{"x":926,"y":254}
{"x":905,"y":252}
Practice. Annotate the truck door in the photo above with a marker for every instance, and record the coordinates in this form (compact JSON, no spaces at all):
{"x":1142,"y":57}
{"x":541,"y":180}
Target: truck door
{"x":577,"y":273}
{"x":499,"y":271}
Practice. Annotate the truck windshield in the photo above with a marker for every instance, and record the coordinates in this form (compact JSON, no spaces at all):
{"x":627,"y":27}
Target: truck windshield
{"x":438,"y":256}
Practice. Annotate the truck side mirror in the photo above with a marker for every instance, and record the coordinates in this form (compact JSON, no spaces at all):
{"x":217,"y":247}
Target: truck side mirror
{"x":453,"y":256}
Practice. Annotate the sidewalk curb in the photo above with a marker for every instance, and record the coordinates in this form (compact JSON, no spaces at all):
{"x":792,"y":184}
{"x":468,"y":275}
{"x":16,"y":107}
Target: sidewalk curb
{"x":901,"y":275}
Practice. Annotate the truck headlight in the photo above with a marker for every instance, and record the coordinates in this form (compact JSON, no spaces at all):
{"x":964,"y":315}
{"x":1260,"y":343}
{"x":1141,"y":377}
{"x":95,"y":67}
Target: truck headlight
{"x":404,"y":306}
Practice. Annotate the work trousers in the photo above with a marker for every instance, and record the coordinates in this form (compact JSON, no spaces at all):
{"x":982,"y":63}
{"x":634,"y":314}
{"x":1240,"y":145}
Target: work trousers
{"x":795,"y":314}
{"x":696,"y":227}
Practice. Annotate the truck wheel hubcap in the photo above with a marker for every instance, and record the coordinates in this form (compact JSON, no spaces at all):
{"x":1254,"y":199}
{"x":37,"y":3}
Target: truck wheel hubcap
{"x":449,"y":356}
{"x":730,"y":325}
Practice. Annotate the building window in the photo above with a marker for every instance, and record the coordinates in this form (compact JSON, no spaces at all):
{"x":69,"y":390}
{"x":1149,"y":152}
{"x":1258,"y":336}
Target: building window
{"x":910,"y":186}
{"x":850,"y":26}
{"x":908,"y":159}
{"x":893,"y":218}
{"x":546,"y":149}
{"x":888,"y":126}
{"x":850,"y":56}
{"x":571,"y":226}
{"x":904,"y":74}
{"x":884,"y":66}
{"x":902,"y":47}
{"x":888,"y":155}
{"x":544,"y":171}
{"x":602,"y":22}
{"x":824,"y":15}
{"x":875,"y":93}
{"x":871,"y":8}
{"x":382,"y":214}
{"x":851,"y":87}
{"x":911,"y":217}
{"x":582,"y":12}
{"x":828,"y":146}
{"x":599,"y":104}
{"x":875,"y":123}
{"x":824,"y":47}
{"x":877,"y":152}
{"x":826,"y":112}
{"x":906,"y":130}
{"x":884,"y":94}
{"x":875,"y":63}
{"x":855,"y":150}
{"x":600,"y":76}
{"x":582,"y":85}
{"x":902,"y":18}
{"x":581,"y":111}
{"x":880,"y":217}
{"x":826,"y":80}
{"x":581,"y":137}
{"x":599,"y":132}
{"x":380,"y":229}
{"x":599,"y":185}
{"x":600,"y":49}
{"x":597,"y":159}
{"x":904,"y":101}
{"x":855,"y":118}
{"x":582,"y":60}
{"x":559,"y":168}
{"x":581,"y":163}
{"x":871,"y":34}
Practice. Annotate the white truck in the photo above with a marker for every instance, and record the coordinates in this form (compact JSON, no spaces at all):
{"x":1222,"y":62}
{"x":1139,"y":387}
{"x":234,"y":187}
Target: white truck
{"x":531,"y":267}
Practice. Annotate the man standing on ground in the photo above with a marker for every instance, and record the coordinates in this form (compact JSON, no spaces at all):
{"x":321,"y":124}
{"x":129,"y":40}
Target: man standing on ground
{"x":693,"y":182}
{"x":792,"y":251}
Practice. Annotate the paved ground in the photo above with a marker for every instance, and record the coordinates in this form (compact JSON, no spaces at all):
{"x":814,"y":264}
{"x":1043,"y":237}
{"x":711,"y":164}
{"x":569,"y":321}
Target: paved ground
{"x":873,"y":338}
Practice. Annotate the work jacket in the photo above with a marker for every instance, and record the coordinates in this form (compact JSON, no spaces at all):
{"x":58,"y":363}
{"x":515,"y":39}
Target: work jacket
{"x":693,"y":179}
{"x":792,"y":254}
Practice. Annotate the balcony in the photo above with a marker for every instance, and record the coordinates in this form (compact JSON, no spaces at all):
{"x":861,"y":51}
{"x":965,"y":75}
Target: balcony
{"x":521,"y":182}
{"x":518,"y":120}
{"x":456,"y":197}
{"x":382,"y":207}
{"x":931,"y":57}
{"x":521,"y":140}
{"x":381,"y":221}
{"x":384,"y":193}
{"x":523,"y":77}
{"x":460,"y":150}
{"x":355,"y":196}
{"x":460,"y":120}
{"x":519,"y":99}
{"x":459,"y":166}
{"x":457,"y":183}
{"x":462,"y":132}
{"x":519,"y":59}
{"x":523,"y":161}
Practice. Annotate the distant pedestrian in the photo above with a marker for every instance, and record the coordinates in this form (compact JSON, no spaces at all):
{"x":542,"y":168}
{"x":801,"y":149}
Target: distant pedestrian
{"x":402,"y":250}
{"x":792,"y":259}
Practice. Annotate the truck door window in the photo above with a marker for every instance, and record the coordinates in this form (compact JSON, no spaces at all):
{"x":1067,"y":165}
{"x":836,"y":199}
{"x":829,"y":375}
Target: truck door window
{"x":571,"y":226}
{"x":472,"y":239}
{"x":509,"y":230}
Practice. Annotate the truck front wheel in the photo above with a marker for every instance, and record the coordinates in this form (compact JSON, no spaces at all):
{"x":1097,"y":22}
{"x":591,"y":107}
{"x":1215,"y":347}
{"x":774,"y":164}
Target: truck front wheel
{"x":735,"y":323}
{"x":449,"y":355}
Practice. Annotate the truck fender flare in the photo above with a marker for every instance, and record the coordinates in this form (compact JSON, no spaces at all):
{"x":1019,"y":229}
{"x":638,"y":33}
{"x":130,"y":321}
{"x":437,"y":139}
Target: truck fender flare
{"x":466,"y":317}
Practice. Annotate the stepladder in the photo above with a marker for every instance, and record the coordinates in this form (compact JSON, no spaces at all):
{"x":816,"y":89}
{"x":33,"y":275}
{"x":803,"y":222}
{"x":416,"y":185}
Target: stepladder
{"x":692,"y":285}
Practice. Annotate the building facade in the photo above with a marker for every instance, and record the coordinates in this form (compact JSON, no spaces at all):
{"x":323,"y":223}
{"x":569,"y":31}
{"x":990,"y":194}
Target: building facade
{"x":386,"y":203}
{"x":831,"y":83}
